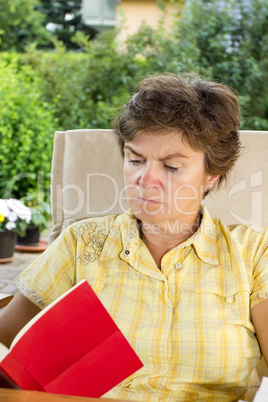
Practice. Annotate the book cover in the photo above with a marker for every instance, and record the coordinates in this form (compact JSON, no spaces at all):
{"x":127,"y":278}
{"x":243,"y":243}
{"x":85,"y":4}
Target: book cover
{"x":71,"y":347}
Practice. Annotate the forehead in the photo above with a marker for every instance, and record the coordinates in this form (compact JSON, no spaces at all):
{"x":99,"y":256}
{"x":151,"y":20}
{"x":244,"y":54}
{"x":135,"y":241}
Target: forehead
{"x":162,"y":144}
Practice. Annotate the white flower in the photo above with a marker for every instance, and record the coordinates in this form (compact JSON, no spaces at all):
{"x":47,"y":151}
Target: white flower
{"x":10,"y":225}
{"x":4,"y":210}
{"x":20,"y":209}
{"x":12,"y":217}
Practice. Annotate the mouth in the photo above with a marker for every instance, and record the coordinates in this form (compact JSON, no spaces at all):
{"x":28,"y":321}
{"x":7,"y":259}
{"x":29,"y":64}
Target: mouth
{"x":147,"y":201}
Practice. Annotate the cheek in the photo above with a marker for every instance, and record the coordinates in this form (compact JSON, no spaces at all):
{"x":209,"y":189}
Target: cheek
{"x":187,"y":188}
{"x":186,"y":194}
{"x":131,"y":182}
{"x":128,"y":176}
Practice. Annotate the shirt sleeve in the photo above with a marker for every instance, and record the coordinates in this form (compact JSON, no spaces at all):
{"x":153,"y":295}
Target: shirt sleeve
{"x":260,"y":271}
{"x":52,"y":273}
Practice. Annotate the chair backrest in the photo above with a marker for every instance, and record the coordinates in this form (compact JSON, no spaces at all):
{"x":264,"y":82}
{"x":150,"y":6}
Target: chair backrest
{"x":86,"y":177}
{"x":87,"y":180}
{"x":244,"y":200}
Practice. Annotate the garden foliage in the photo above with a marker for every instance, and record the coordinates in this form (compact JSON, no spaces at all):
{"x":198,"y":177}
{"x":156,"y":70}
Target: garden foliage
{"x":64,"y":29}
{"x":43,"y":91}
{"x":27,"y":127}
{"x":21,"y":24}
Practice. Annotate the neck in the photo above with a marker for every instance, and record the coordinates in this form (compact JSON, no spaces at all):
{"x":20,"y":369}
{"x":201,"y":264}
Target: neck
{"x":159,"y":242}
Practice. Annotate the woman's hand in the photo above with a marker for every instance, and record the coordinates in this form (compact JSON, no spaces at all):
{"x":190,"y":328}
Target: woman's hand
{"x":14,"y":316}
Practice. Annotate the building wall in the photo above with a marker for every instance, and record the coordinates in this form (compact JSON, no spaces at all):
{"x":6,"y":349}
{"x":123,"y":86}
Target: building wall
{"x":137,"y":11}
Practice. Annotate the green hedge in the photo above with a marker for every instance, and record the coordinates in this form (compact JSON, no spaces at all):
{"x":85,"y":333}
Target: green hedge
{"x":85,"y":87}
{"x":27,"y":126}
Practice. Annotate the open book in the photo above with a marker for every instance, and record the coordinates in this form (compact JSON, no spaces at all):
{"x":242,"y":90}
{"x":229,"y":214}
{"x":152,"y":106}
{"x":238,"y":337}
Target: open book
{"x":71,"y":347}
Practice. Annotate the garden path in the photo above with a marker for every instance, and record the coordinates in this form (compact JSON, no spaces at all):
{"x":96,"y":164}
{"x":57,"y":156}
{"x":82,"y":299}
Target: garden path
{"x":10,"y":270}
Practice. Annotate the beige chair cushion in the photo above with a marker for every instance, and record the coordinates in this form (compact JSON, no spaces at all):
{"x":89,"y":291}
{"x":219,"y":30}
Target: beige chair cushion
{"x":86,"y":177}
{"x":245,"y":199}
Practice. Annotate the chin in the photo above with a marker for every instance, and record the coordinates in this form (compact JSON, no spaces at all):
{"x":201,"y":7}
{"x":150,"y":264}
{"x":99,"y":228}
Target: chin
{"x":151,"y":217}
{"x":149,"y":209}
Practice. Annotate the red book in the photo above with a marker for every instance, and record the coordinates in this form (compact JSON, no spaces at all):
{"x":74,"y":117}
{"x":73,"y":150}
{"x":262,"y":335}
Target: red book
{"x":71,"y":347}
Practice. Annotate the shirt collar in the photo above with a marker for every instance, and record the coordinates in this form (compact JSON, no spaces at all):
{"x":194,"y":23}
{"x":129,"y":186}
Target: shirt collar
{"x":124,"y":237}
{"x":204,"y":240}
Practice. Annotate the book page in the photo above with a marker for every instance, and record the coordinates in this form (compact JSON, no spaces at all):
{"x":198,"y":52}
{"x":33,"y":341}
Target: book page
{"x":3,"y":351}
{"x":37,"y":317}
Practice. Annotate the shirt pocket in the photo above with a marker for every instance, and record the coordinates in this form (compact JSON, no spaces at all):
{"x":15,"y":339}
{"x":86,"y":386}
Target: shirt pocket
{"x":228,"y":308}
{"x":219,"y":298}
{"x":214,"y":324}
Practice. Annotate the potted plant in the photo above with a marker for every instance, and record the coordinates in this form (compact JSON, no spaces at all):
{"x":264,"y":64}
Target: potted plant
{"x":29,"y":232}
{"x":12,"y":213}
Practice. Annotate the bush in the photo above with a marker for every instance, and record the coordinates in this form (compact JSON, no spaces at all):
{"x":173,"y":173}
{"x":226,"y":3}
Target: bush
{"x":85,"y":87}
{"x":231,"y":39}
{"x":27,"y":126}
{"x":223,"y":41}
{"x":20,"y":25}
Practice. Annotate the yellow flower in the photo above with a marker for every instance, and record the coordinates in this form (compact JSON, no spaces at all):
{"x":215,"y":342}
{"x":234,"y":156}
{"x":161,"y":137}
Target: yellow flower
{"x":2,"y":218}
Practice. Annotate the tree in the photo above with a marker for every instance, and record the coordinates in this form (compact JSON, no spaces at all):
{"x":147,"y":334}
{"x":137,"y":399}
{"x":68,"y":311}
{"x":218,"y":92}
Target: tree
{"x":20,"y":25}
{"x":231,"y":40}
{"x":63,"y":18}
{"x":223,"y":40}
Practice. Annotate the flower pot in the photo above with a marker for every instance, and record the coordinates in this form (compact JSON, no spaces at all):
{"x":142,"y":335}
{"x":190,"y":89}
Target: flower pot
{"x":7,"y":245}
{"x":32,"y":237}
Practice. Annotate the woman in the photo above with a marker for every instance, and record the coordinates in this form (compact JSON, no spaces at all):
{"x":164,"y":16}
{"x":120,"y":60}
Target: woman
{"x":189,"y":293}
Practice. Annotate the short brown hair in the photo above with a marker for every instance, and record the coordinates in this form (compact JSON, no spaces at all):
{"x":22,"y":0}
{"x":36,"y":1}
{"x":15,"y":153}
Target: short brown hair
{"x":206,"y":113}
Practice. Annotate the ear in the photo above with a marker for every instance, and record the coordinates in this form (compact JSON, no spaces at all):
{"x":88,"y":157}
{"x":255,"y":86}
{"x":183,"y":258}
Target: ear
{"x":210,"y":182}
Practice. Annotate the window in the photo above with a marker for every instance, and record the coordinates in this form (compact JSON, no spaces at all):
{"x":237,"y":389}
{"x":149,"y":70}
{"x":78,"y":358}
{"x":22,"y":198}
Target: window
{"x":99,"y":14}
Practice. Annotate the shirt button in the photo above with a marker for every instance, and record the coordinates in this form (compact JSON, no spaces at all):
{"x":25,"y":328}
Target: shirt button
{"x":178,"y":265}
{"x":127,"y":252}
{"x":229,"y":299}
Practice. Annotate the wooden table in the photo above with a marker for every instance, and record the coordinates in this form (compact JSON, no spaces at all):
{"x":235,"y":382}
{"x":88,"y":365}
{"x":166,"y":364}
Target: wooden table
{"x":5,"y":299}
{"x":14,"y":395}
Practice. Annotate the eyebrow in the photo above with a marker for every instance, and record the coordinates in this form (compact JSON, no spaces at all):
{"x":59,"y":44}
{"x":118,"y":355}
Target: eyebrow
{"x":165,"y":158}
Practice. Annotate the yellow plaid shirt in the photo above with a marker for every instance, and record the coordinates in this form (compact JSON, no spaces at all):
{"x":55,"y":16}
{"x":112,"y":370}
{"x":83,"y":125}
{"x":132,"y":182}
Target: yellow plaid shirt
{"x":189,"y":323}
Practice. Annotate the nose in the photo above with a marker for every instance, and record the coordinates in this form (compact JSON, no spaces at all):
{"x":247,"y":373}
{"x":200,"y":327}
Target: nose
{"x":149,"y":177}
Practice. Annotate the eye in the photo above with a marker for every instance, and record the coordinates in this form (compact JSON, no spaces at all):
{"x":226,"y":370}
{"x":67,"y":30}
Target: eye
{"x":135,"y":162}
{"x":171,"y":169}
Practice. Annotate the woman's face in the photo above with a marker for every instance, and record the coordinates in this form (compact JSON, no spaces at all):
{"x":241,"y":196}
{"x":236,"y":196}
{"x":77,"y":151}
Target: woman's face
{"x":164,"y":178}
